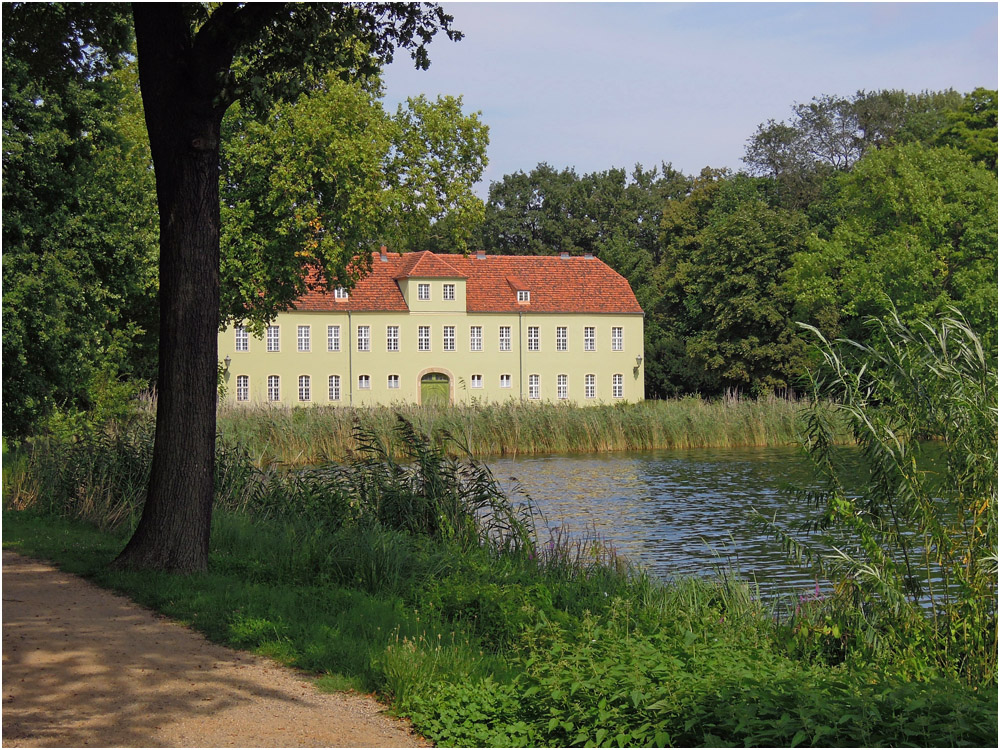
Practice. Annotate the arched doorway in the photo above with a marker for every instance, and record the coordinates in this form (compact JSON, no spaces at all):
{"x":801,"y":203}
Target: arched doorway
{"x":435,"y":389}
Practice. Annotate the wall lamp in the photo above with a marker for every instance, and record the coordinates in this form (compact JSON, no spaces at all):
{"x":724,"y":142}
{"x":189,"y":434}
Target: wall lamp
{"x":638,"y":360}
{"x":227,"y":361}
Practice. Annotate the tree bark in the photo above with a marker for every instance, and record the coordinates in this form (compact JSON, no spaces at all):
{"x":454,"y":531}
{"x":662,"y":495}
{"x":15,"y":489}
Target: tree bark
{"x":183,"y":121}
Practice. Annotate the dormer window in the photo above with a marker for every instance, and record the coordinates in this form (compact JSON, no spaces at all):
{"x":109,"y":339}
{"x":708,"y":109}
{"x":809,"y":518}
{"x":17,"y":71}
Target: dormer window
{"x":340,"y":293}
{"x":423,"y":291}
{"x":523,"y":295}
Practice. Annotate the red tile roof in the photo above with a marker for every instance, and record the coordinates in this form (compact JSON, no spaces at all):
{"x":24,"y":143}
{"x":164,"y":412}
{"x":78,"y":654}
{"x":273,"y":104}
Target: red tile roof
{"x":425,"y":265}
{"x":557,"y":285}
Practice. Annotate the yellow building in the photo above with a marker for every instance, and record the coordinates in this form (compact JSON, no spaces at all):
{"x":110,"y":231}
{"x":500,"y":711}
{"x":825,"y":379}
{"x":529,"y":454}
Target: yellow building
{"x":424,"y":328}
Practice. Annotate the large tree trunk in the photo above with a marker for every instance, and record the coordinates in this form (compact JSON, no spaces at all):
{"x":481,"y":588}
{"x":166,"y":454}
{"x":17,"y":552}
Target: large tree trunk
{"x":183,"y":124}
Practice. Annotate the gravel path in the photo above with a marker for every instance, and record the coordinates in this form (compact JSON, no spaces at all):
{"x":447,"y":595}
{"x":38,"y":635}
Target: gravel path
{"x":82,"y":666}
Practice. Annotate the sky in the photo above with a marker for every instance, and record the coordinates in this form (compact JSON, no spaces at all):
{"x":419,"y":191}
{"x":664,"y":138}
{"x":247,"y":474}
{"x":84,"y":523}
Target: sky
{"x":593,"y":86}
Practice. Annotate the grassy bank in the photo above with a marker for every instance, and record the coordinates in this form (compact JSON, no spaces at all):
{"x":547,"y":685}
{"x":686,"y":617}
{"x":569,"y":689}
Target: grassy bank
{"x":310,"y":435}
{"x":482,"y":652}
{"x":422,"y":582}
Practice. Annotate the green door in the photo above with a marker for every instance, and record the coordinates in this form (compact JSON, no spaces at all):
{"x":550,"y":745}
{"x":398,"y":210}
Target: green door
{"x":435,"y":390}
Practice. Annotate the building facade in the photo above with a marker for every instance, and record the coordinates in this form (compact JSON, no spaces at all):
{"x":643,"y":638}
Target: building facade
{"x":425,"y":328}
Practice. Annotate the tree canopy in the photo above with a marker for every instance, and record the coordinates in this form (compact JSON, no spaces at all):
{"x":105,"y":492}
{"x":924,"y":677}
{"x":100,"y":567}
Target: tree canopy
{"x":79,"y":232}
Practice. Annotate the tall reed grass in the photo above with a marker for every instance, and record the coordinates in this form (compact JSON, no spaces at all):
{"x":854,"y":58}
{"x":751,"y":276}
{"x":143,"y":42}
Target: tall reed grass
{"x":915,"y":563}
{"x":295,"y":436}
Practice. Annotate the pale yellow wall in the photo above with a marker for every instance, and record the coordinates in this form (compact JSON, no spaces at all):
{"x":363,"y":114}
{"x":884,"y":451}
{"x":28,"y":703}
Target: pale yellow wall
{"x":460,"y":365}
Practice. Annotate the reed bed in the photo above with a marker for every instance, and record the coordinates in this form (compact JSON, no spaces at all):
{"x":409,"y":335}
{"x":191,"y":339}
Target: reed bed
{"x":296,"y":436}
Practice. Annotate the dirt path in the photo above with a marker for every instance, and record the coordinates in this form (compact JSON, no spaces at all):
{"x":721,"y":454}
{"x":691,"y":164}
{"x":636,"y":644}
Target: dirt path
{"x":82,"y":666}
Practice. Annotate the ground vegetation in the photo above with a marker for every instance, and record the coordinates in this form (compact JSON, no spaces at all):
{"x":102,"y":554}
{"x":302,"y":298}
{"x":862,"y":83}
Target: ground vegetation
{"x":422,"y":580}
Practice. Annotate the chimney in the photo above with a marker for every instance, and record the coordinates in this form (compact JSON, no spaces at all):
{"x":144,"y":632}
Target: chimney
{"x":564,"y":255}
{"x":588,"y":255}
{"x":481,"y":254}
{"x":382,"y":253}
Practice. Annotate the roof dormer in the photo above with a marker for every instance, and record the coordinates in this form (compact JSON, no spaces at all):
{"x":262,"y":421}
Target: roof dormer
{"x":428,"y":282}
{"x":521,"y":289}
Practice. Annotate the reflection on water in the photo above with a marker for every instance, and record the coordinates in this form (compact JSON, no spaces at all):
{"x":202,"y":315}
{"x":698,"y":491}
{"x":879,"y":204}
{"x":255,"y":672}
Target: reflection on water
{"x":677,"y":512}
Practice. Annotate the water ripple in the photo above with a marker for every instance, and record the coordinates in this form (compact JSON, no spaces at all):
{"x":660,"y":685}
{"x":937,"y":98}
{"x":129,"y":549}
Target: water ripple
{"x":677,"y":512}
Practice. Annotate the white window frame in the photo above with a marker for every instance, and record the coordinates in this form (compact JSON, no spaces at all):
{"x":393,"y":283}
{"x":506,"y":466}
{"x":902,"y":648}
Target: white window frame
{"x":242,"y":387}
{"x":392,"y":382}
{"x":523,"y":295}
{"x":274,"y":388}
{"x":590,"y":386}
{"x":534,"y":339}
{"x":364,"y":338}
{"x":333,"y":338}
{"x":302,"y":338}
{"x":448,"y":292}
{"x":242,"y":339}
{"x":423,"y":292}
{"x":477,"y":381}
{"x":534,"y":386}
{"x":333,"y":388}
{"x":562,"y":387}
{"x":590,"y":338}
{"x":274,"y":338}
{"x":447,"y":338}
{"x":305,"y":388}
{"x":392,"y":338}
{"x":617,"y":385}
{"x":505,"y":380}
{"x":364,"y":382}
{"x":561,"y":338}
{"x":341,"y":293}
{"x":505,"y":338}
{"x":475,"y":338}
{"x":617,"y":338}
{"x":423,"y":338}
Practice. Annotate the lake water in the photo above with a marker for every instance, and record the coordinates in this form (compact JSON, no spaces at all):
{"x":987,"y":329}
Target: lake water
{"x":680,"y":512}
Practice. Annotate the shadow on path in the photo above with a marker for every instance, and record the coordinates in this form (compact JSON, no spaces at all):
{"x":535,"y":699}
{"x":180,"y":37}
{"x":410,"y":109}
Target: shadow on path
{"x":82,"y":666}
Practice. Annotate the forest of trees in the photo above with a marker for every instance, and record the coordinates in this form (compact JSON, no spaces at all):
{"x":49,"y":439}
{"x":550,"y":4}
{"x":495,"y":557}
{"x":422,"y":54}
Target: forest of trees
{"x":848,"y":208}
{"x":852,"y":206}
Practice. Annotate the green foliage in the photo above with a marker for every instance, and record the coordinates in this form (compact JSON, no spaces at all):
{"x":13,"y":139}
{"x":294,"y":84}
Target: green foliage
{"x":285,"y":49}
{"x":99,"y":476}
{"x":547,"y":211}
{"x":972,"y":128}
{"x":831,"y":133}
{"x":609,"y":684}
{"x":330,"y":173}
{"x":915,"y":558}
{"x":302,"y":187}
{"x":438,"y":155}
{"x":916,"y":230}
{"x":79,"y":229}
{"x":720,"y":302}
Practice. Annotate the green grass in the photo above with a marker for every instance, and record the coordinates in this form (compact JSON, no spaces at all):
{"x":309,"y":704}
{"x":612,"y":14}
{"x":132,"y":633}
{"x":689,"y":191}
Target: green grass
{"x":486,"y":651}
{"x":420,"y":580}
{"x":315,"y":434}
